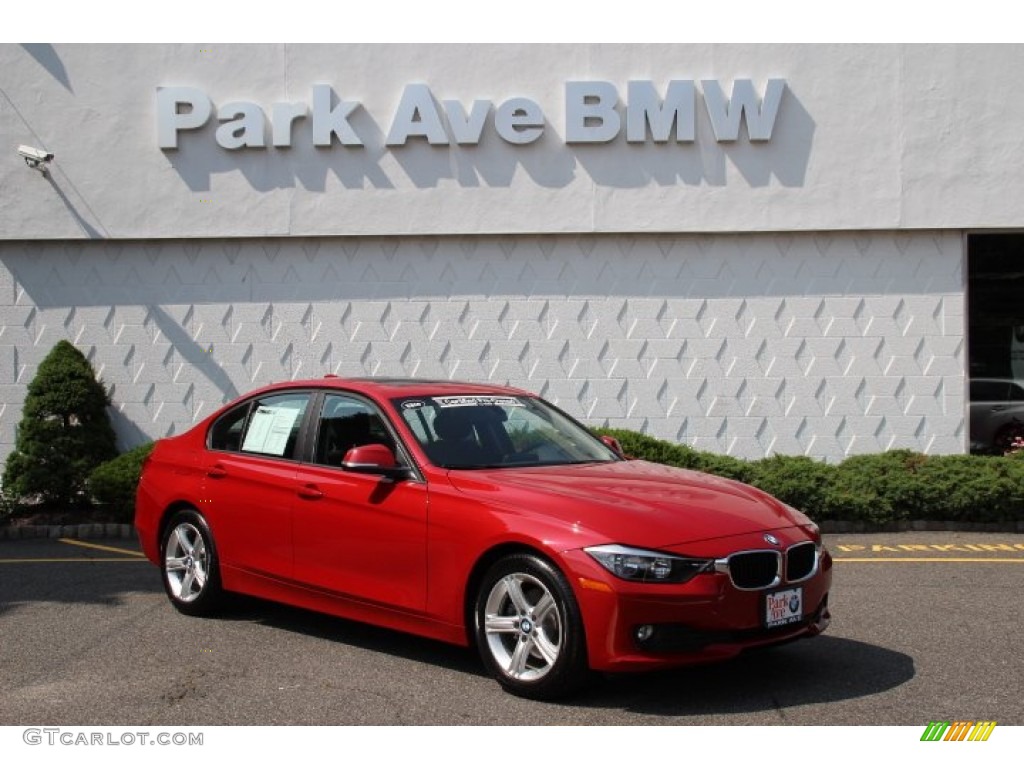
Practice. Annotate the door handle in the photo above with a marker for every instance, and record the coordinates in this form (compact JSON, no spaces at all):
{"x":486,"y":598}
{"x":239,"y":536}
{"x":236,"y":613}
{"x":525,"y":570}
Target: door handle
{"x":217,"y":470}
{"x":310,"y":491}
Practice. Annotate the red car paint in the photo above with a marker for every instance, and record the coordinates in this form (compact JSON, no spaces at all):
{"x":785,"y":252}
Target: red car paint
{"x":407,"y":552}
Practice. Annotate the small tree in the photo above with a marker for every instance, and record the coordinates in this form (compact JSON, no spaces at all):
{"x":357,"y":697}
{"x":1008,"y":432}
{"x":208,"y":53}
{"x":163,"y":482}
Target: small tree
{"x":64,"y":433}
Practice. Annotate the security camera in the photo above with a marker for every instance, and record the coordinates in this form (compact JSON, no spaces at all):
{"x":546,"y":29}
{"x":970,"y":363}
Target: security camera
{"x":33,"y":157}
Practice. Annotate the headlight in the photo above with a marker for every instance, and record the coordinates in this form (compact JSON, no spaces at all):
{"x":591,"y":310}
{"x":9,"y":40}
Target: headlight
{"x":647,"y":566}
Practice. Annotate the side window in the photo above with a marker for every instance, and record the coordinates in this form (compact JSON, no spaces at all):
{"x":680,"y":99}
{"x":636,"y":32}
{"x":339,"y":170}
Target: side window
{"x":226,"y":433}
{"x":346,"y":422}
{"x":988,"y":391}
{"x":417,"y":421}
{"x":268,"y":426}
{"x":273,"y":425}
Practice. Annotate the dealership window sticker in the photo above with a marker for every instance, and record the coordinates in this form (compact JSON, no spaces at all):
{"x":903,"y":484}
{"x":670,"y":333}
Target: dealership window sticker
{"x":270,"y":428}
{"x":462,"y":401}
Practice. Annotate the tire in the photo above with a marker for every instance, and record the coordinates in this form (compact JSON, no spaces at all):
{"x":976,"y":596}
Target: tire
{"x":189,"y":564}
{"x":528,"y":629}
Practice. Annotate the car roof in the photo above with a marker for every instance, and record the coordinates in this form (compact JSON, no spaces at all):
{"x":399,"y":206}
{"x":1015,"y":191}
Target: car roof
{"x":392,"y":387}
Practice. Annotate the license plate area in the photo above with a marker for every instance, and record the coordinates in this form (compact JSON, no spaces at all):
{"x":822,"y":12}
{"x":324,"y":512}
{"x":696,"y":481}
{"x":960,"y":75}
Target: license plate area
{"x":785,"y":606}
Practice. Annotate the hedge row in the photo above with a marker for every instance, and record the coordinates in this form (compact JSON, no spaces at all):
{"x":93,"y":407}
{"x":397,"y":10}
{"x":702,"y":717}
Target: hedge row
{"x":874,"y":489}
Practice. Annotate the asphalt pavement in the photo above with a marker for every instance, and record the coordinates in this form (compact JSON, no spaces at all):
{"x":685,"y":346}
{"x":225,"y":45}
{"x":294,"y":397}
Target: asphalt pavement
{"x":925,"y":626}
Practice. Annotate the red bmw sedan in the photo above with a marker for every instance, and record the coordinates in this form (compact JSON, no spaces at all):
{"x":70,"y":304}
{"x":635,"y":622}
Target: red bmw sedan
{"x":478,"y":515}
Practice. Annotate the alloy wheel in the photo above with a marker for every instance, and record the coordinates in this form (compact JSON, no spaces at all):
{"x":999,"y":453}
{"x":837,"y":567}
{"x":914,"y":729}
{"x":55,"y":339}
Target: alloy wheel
{"x":186,"y":562}
{"x":523,"y":627}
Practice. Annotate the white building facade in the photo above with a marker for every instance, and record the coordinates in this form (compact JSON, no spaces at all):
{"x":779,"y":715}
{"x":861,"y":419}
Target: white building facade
{"x":748,"y":249}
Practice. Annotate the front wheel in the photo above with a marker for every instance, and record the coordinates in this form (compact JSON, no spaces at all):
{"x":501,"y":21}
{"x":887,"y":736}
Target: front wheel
{"x":189,"y":561}
{"x":528,"y":628}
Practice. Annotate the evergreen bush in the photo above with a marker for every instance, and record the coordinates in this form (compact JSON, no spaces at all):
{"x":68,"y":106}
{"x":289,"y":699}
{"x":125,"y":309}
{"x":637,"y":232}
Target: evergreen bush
{"x":64,"y":433}
{"x":973,"y":488}
{"x":878,"y":489}
{"x":640,"y":446}
{"x":113,"y":483}
{"x":799,"y":481}
{"x":886,"y":487}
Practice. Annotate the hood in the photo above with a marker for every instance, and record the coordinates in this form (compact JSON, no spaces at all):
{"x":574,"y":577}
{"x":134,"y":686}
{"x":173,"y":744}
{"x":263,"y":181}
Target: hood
{"x":630,"y":502}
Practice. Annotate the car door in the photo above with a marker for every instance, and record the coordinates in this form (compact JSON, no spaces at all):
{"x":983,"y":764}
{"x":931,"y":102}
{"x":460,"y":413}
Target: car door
{"x":250,"y":483}
{"x":360,"y":535}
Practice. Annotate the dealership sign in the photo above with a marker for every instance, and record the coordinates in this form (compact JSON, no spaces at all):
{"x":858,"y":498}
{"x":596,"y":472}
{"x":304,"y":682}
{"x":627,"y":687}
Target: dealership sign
{"x":595,"y":113}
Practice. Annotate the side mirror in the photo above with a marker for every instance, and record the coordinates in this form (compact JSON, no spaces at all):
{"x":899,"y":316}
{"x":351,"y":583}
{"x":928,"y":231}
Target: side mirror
{"x":374,"y":459}
{"x":612,"y":443}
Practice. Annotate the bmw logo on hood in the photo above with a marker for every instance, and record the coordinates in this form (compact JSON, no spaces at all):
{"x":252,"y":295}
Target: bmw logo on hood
{"x":771,"y":539}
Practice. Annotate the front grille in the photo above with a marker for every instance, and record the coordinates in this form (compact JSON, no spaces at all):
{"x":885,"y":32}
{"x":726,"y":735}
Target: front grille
{"x":800,"y":561}
{"x":754,"y":570}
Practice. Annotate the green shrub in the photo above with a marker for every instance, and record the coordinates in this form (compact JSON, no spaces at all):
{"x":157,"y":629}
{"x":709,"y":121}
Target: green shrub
{"x":7,"y":508}
{"x":875,"y":489}
{"x":799,"y":481}
{"x":641,"y":446}
{"x":113,"y":483}
{"x":887,"y":486}
{"x":848,"y":505}
{"x":973,"y":488}
{"x":64,"y":432}
{"x":724,"y":466}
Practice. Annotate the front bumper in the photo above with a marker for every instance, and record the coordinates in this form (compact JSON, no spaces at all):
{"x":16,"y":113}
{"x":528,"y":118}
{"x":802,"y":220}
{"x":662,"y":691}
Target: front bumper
{"x":706,"y":619}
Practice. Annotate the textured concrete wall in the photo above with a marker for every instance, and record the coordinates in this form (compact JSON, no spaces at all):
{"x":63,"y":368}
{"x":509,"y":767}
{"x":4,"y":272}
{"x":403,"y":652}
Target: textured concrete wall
{"x":822,"y":344}
{"x":867,"y":137}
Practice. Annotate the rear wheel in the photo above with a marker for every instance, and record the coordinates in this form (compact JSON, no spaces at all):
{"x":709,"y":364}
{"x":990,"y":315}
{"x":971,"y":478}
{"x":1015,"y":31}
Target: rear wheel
{"x":528,"y":628}
{"x":190,"y":567}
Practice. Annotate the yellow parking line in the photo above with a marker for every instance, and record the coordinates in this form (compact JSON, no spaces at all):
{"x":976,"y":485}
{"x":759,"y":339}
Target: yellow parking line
{"x":929,"y":548}
{"x":89,"y":545}
{"x":936,"y":559}
{"x":9,"y":560}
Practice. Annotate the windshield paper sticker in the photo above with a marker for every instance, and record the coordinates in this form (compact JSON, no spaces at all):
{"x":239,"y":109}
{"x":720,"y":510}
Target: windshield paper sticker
{"x":461,"y":401}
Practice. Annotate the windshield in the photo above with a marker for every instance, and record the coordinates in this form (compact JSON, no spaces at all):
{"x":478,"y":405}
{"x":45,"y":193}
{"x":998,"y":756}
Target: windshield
{"x":493,"y":431}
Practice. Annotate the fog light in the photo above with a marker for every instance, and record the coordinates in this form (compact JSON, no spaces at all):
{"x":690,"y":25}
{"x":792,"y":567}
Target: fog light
{"x":643,"y":633}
